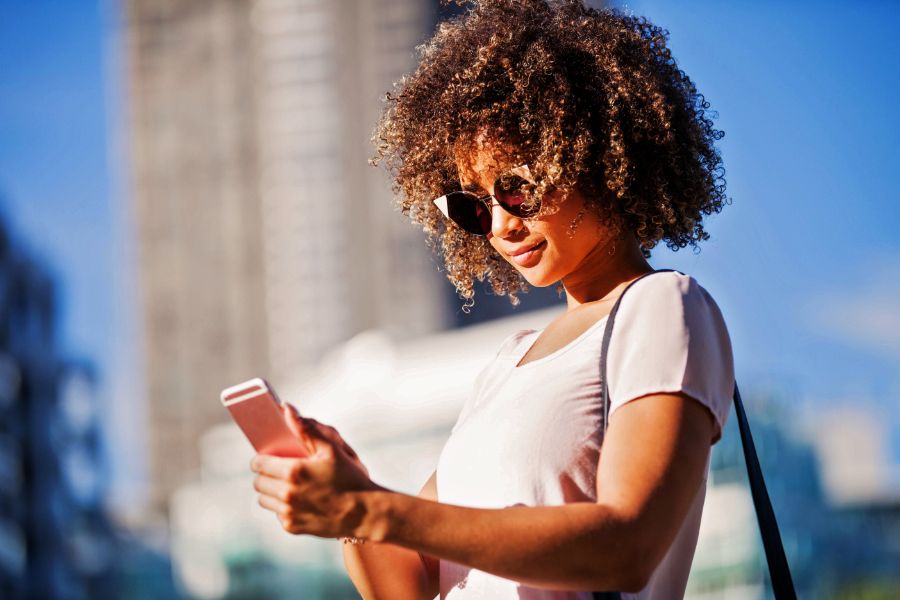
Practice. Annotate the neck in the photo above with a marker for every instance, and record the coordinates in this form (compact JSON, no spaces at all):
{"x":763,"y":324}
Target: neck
{"x":598,"y":276}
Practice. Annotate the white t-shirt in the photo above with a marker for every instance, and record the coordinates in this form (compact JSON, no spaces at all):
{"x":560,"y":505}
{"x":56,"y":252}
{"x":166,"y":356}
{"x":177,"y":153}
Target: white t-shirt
{"x":530,"y":435}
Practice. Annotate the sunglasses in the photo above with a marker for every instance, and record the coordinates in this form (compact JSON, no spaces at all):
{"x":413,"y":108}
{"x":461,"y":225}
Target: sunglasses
{"x":472,"y":212}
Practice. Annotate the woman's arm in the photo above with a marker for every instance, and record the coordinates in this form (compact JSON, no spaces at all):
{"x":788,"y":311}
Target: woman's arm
{"x":393,"y":572}
{"x":652,"y":464}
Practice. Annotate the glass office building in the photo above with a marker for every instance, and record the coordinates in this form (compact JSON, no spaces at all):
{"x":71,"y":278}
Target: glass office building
{"x":55,"y":539}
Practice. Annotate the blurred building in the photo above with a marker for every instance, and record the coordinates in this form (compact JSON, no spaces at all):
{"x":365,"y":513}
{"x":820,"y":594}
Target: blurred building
{"x":855,"y":446}
{"x":55,"y":539}
{"x":730,"y":561}
{"x":871,"y":550}
{"x":265,"y":238}
{"x":862,"y":483}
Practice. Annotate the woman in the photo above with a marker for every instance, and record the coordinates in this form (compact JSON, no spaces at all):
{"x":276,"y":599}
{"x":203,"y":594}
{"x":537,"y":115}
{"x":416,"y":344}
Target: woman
{"x":580,"y":145}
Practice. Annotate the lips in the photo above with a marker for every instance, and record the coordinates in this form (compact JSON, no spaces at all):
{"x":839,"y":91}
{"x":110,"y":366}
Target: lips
{"x":525,"y":249}
{"x":528,"y":257}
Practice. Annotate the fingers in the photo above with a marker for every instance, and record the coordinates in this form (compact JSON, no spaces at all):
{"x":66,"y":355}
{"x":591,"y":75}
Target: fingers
{"x":327,"y":432}
{"x":316,"y":435}
{"x":310,"y":426}
{"x":275,"y":496}
{"x":277,"y":489}
{"x":306,"y":425}
{"x":282,"y":511}
{"x":278,"y":496}
{"x":279,"y":467}
{"x":295,"y":424}
{"x":273,"y":504}
{"x":350,"y":451}
{"x":321,"y":430}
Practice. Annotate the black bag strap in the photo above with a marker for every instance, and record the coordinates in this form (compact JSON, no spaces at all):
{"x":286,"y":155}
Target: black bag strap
{"x":779,"y":570}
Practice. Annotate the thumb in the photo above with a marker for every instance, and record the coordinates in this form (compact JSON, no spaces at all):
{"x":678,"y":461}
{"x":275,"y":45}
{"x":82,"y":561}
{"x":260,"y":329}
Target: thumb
{"x":312,"y":439}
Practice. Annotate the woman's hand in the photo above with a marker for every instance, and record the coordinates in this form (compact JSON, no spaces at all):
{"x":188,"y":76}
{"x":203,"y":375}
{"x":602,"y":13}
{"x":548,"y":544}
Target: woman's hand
{"x":317,"y":494}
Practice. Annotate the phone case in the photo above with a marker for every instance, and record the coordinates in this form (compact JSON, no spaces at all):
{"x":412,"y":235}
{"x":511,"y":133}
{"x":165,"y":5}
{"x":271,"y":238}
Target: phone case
{"x":256,"y":409}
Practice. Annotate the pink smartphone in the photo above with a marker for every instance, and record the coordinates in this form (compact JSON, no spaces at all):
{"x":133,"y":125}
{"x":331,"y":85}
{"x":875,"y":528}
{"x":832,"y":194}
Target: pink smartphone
{"x":257,"y":410}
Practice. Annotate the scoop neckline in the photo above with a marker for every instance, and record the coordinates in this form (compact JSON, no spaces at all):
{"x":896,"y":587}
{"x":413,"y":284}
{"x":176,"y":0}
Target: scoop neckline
{"x":558,"y":351}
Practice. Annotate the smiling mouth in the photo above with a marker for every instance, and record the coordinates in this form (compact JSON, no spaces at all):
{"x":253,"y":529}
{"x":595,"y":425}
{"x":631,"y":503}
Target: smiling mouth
{"x":529,"y":249}
{"x":525,"y":259}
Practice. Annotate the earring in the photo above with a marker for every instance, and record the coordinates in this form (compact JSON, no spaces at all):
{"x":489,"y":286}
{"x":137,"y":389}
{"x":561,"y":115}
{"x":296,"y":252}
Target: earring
{"x":575,"y":222}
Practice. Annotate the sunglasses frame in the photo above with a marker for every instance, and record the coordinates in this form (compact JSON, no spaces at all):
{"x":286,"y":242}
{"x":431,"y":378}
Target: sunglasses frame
{"x":520,"y":171}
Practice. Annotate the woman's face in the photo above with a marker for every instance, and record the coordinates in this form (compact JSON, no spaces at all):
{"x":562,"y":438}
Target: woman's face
{"x":547,"y":248}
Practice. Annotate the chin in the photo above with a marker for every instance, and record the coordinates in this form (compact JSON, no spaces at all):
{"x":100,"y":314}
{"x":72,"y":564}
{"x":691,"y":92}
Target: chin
{"x":538,"y":279}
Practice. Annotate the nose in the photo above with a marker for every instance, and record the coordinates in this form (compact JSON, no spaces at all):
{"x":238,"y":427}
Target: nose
{"x":503,"y":223}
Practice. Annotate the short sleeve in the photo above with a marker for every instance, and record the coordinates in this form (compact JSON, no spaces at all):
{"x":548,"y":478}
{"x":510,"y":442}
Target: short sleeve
{"x":669,"y":336}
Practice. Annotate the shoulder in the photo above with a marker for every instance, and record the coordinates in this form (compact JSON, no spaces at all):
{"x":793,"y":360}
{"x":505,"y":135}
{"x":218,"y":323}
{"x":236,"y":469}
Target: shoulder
{"x":668,"y":297}
{"x":667,"y":283}
{"x":670,"y":336}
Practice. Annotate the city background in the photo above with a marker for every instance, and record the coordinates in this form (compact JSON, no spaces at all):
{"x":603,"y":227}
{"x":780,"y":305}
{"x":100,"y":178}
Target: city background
{"x":185,"y":202}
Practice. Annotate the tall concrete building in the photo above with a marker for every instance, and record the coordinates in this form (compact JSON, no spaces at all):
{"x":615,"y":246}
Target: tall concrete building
{"x":333,"y":245}
{"x":264,"y":236}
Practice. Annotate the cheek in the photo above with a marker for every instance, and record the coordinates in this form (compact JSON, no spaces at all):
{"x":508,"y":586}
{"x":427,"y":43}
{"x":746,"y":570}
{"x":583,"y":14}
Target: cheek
{"x":560,"y":252}
{"x":500,"y":255}
{"x":494,"y":246}
{"x":566,"y":251}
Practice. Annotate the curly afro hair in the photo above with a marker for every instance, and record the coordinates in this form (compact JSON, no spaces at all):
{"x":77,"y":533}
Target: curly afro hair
{"x":591,"y":99}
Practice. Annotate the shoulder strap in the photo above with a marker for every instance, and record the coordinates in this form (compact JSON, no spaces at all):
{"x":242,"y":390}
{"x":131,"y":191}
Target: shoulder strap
{"x":779,"y":569}
{"x":604,"y":348}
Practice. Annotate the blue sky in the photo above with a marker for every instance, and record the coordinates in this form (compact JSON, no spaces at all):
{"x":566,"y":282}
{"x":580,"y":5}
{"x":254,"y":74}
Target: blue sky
{"x":806,"y":260}
{"x":54,"y":179}
{"x":805,"y":263}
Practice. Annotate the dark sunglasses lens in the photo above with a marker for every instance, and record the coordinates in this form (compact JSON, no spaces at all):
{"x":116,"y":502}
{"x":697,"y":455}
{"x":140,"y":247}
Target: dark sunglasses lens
{"x":467,"y":211}
{"x":510,"y":193}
